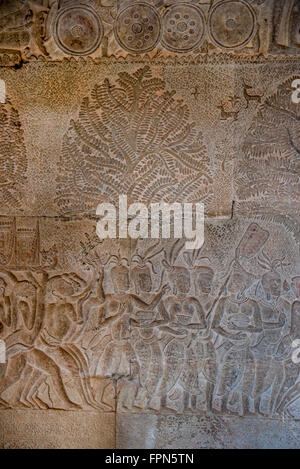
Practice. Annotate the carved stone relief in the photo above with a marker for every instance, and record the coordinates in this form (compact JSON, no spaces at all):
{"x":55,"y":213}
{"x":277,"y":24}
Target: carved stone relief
{"x":183,"y":28}
{"x":265,"y":151}
{"x":174,"y":330}
{"x":78,"y":30}
{"x":55,"y":29}
{"x":13,"y":156}
{"x":115,"y":124}
{"x":149,"y":148}
{"x":160,"y":101}
{"x":232,"y":24}
{"x":137,"y":28}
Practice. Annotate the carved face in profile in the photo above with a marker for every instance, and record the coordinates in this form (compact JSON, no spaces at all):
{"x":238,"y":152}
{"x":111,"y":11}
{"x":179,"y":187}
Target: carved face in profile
{"x":120,"y":278}
{"x":272,"y":283}
{"x":204,"y":279}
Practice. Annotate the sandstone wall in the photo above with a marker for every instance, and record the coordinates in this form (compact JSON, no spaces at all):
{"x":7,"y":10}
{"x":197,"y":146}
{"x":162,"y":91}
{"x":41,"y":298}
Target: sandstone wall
{"x":140,"y":343}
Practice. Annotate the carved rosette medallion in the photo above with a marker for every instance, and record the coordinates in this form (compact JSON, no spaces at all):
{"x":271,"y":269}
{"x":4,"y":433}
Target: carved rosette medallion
{"x":78,"y":30}
{"x":138,"y":28}
{"x":183,"y":27}
{"x":232,"y":24}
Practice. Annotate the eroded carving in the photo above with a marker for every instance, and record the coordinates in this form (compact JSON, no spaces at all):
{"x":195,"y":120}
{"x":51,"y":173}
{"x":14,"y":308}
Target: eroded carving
{"x":13,"y":159}
{"x":78,"y":30}
{"x":51,"y":30}
{"x":232,"y":24}
{"x":20,"y":245}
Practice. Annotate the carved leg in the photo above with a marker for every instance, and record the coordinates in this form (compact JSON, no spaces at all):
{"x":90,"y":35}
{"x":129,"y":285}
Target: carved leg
{"x":263,"y":382}
{"x":209,"y":395}
{"x":30,"y":391}
{"x":291,"y":396}
{"x":277,"y":386}
{"x":38,"y":359}
{"x":13,"y":373}
{"x":193,"y":402}
{"x":245,"y":404}
{"x":186,"y":400}
{"x":29,"y":378}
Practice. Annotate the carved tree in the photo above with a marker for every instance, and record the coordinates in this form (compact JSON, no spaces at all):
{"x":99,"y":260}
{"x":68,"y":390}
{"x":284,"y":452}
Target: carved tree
{"x":135,"y":138}
{"x":13,"y":160}
{"x":268,"y":173}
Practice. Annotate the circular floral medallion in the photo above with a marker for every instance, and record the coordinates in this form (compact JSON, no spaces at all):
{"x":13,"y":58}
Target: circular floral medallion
{"x":183,"y":27}
{"x":232,"y":24}
{"x":78,"y":30}
{"x":137,"y":28}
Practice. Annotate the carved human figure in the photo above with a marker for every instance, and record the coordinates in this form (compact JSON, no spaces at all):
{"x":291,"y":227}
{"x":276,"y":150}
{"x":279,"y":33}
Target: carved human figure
{"x":63,"y":327}
{"x":236,"y":320}
{"x":269,"y":370}
{"x":26,"y":364}
{"x":142,"y":279}
{"x":185,"y":341}
{"x":146,"y":342}
{"x":5,"y":306}
{"x":118,"y":357}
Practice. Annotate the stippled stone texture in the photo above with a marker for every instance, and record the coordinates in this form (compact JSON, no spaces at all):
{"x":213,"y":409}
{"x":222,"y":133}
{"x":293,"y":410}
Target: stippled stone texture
{"x":141,"y":343}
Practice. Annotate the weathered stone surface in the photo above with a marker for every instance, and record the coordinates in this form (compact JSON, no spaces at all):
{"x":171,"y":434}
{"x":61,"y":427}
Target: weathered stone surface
{"x":159,"y":101}
{"x":204,"y":431}
{"x":56,"y":430}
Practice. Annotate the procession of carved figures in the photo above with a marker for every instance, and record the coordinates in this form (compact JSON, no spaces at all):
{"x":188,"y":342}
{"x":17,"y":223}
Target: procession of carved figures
{"x":151,"y":329}
{"x":57,"y":28}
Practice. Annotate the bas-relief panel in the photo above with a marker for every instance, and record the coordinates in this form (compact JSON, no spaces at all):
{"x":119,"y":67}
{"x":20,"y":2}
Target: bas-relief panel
{"x":186,"y":102}
{"x":136,"y":138}
{"x":54,"y":29}
{"x":164,"y":329}
{"x":42,"y":318}
{"x":146,"y":131}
